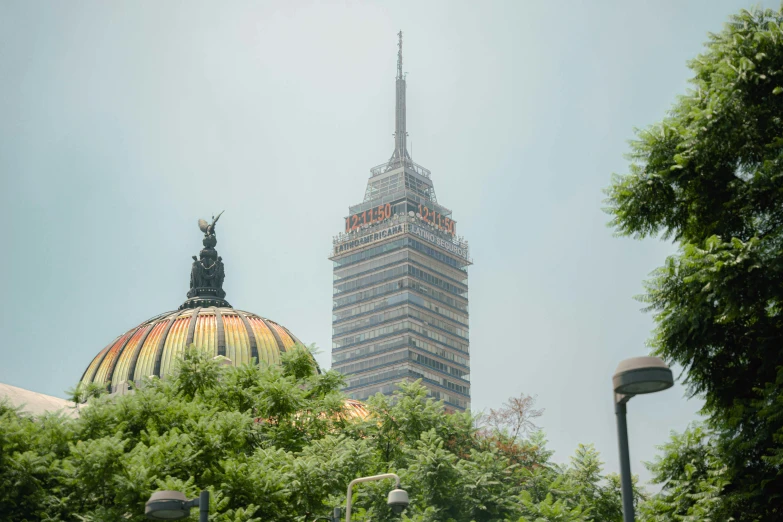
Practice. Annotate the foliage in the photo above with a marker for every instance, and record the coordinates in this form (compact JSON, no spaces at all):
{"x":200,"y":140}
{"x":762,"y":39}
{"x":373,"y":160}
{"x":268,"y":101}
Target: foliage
{"x":693,"y":477}
{"x":270,"y":443}
{"x":82,"y":392}
{"x":710,"y":175}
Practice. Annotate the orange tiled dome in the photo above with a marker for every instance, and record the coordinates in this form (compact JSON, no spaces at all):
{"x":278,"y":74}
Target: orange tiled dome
{"x":355,"y":410}
{"x":153,"y":347}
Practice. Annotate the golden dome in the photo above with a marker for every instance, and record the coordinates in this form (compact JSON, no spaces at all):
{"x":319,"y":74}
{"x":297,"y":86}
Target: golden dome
{"x":153,"y":347}
{"x":205,"y":320}
{"x":355,"y":410}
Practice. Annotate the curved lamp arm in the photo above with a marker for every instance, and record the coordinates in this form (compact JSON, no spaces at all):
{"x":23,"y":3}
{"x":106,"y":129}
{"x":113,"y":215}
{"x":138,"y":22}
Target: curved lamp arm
{"x":366,"y":479}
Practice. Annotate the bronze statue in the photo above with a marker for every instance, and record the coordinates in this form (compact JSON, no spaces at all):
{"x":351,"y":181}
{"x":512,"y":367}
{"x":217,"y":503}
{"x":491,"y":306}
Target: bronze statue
{"x":207,"y":272}
{"x":209,"y":229}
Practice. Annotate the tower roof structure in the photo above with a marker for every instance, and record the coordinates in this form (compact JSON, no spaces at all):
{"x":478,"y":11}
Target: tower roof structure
{"x":400,"y":175}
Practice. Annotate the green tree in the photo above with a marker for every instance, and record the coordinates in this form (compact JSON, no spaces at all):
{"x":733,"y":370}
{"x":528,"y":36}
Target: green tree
{"x":588,"y":487}
{"x":550,"y":510}
{"x":693,"y":478}
{"x":710,"y":176}
{"x":272,"y":443}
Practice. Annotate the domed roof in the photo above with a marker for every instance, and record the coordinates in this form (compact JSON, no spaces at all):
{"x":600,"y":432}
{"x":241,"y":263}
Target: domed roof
{"x":153,"y":347}
{"x":205,"y":319}
{"x":354,"y":409}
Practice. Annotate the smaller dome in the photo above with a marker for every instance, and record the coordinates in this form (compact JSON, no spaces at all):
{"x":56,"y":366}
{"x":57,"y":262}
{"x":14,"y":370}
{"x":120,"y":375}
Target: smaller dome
{"x":153,"y":347}
{"x":354,"y":409}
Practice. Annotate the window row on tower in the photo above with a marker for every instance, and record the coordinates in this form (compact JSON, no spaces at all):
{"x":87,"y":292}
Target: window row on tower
{"x":459,"y":304}
{"x":360,"y":365}
{"x":388,"y":388}
{"x":403,"y":254}
{"x":399,"y":327}
{"x":398,"y":271}
{"x":402,"y":370}
{"x":401,"y":296}
{"x":386,"y":345}
{"x":401,"y":311}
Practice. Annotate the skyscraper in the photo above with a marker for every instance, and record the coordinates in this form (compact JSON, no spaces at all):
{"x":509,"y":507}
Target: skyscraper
{"x":400,"y":309}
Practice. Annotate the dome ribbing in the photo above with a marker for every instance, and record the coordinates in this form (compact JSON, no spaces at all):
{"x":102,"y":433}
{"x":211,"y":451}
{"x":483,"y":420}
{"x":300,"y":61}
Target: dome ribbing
{"x":153,"y":347}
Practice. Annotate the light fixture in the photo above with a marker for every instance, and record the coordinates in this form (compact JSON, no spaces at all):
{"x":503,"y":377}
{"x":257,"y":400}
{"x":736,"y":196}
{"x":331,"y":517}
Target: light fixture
{"x":173,"y":505}
{"x":635,"y":376}
{"x":397,"y":501}
{"x":640,"y":375}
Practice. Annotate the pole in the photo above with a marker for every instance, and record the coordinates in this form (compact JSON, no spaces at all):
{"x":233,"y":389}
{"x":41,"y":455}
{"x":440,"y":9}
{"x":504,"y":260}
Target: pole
{"x":203,"y":507}
{"x":365,"y":479}
{"x":625,"y":459}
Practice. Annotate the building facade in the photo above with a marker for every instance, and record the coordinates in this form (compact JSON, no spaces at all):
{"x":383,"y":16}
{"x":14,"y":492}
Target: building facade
{"x":400,"y":308}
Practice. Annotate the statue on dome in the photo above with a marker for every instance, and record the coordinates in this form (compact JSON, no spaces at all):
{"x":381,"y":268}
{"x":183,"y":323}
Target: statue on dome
{"x":207,"y":272}
{"x":207,"y":228}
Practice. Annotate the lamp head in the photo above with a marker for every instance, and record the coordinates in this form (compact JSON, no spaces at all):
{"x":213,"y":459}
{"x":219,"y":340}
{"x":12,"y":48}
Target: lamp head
{"x":398,"y":500}
{"x":640,"y":375}
{"x":166,"y":505}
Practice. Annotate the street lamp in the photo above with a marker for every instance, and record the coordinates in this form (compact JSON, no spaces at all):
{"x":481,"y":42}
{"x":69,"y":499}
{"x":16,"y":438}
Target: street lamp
{"x":635,"y":376}
{"x":173,"y":505}
{"x":398,"y":498}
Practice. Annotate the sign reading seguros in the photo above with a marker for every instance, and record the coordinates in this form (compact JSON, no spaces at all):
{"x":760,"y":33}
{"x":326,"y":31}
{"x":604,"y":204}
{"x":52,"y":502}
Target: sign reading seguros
{"x":394,"y":230}
{"x":446,"y":245}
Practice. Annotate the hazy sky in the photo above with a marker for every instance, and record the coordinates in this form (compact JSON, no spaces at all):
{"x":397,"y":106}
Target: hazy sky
{"x":121,"y":124}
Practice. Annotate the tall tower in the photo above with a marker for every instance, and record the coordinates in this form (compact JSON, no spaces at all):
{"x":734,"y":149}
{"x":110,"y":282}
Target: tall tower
{"x":400,"y":308}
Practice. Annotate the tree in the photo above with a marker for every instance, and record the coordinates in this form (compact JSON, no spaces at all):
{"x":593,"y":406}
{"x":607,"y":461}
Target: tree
{"x":693,"y":478}
{"x":582,"y":489}
{"x":270,"y":443}
{"x":515,"y":419}
{"x":507,"y":429}
{"x":589,"y":487}
{"x":710,"y":176}
{"x":82,"y":392}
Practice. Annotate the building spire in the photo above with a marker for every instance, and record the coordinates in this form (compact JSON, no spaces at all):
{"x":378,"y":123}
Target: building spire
{"x":400,"y":155}
{"x":399,"y":57}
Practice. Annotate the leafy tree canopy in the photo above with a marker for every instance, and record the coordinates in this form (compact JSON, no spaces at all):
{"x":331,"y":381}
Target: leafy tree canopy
{"x":272,"y":443}
{"x":710,"y":176}
{"x":693,"y":478}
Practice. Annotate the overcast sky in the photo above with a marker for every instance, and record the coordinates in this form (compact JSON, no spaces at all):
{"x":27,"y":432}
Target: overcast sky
{"x":121,"y":124}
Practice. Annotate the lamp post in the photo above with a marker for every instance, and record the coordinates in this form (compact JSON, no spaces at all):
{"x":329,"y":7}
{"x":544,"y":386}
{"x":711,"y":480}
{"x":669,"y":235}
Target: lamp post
{"x":173,"y":505}
{"x":398,"y":498}
{"x":635,"y":376}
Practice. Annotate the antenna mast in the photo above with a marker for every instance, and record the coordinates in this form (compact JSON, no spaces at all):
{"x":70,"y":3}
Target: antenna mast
{"x":399,"y":57}
{"x":400,"y":156}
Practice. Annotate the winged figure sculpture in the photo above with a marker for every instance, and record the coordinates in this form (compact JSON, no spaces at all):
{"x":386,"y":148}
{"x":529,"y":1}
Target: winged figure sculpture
{"x":209,"y":228}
